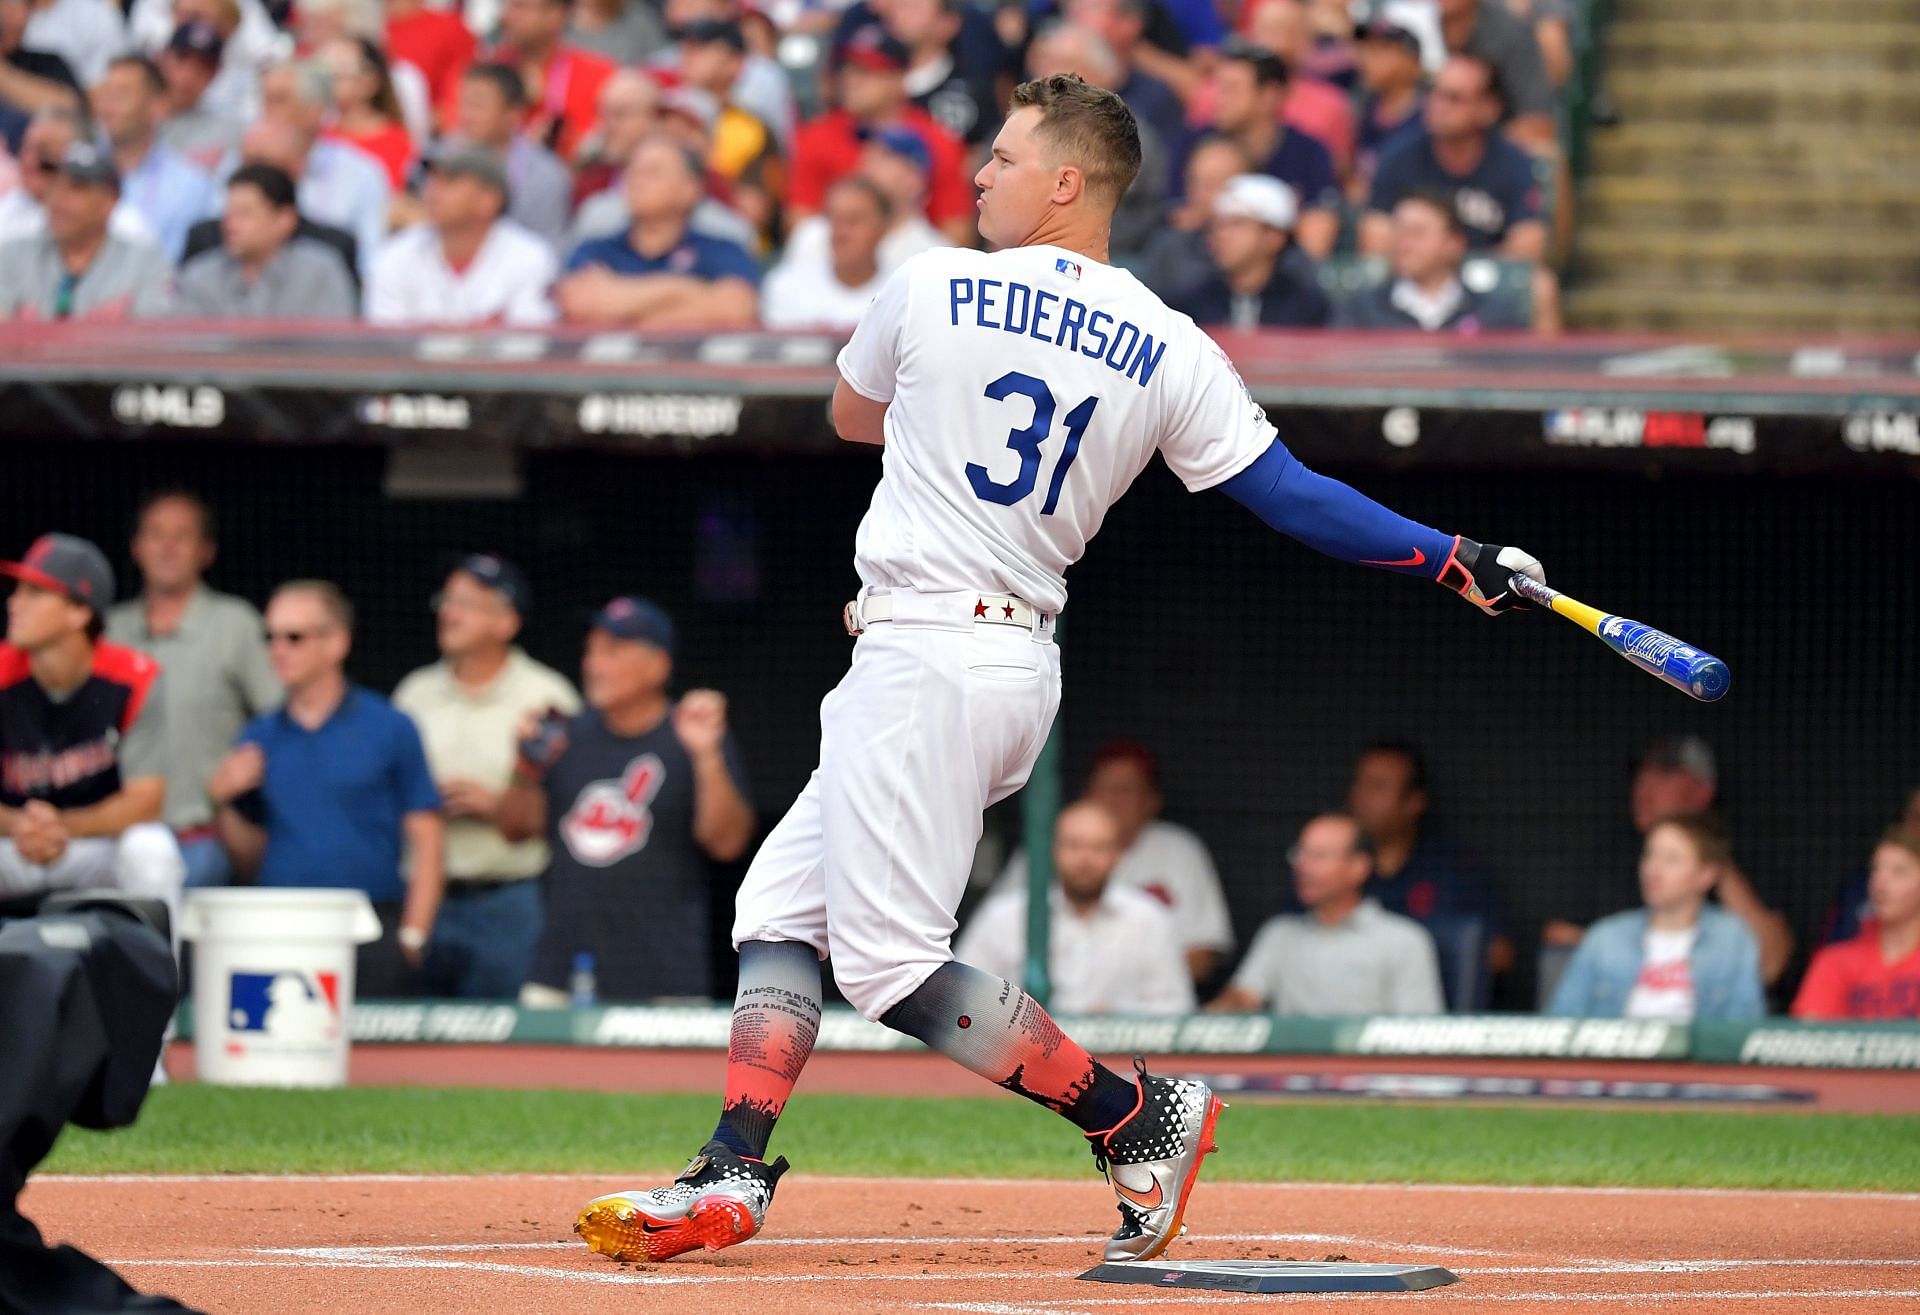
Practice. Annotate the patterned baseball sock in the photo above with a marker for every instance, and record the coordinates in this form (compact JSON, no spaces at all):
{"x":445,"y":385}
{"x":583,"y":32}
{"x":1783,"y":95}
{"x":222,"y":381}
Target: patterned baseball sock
{"x":989,"y":1026}
{"x":776,"y":1015}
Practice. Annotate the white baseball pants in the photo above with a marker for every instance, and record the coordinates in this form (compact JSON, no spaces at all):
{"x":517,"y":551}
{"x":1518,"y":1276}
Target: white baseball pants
{"x":937,"y":719}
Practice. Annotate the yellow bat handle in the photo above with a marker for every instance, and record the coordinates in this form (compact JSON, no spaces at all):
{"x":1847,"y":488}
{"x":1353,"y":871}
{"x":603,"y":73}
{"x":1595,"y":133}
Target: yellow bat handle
{"x":1589,"y":618}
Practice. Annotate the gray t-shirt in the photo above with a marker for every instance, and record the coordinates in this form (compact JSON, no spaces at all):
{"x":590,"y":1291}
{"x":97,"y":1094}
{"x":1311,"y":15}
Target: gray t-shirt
{"x":216,"y":678}
{"x":1373,"y":963}
{"x":125,"y":281}
{"x":1508,"y":43}
{"x":306,"y":280}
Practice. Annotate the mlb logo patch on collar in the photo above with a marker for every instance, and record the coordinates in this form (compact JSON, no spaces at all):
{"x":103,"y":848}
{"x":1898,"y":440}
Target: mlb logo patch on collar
{"x":1071,"y":268}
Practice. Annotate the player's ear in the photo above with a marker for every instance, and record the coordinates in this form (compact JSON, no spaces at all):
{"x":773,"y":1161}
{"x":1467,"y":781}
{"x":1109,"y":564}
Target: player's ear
{"x":1068,"y":183}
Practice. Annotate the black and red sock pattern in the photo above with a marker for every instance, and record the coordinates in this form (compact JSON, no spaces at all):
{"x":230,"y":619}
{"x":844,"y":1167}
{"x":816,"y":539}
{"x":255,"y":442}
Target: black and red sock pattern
{"x":776,"y":1016}
{"x":989,"y":1026}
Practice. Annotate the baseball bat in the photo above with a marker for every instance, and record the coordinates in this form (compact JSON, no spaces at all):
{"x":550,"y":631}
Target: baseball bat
{"x":1655,"y":652}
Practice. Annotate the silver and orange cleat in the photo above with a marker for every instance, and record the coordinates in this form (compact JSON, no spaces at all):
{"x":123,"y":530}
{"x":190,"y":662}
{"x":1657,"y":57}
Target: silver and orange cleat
{"x":1152,"y":1158}
{"x":719,"y":1200}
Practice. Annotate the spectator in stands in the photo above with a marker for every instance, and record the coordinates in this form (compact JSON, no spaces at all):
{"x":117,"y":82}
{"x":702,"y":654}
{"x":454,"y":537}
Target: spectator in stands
{"x":896,"y":161}
{"x":638,"y":796}
{"x":1110,"y":950}
{"x":1260,"y":278}
{"x":1393,"y":83}
{"x":1319,"y":109}
{"x":83,"y":780}
{"x":660,"y":273}
{"x":77,"y":269}
{"x":1552,"y":24}
{"x":320,"y":25}
{"x":1250,"y":97}
{"x":1419,"y":874}
{"x":263,"y":269}
{"x":31,"y":79}
{"x":765,"y":89}
{"x":1488,"y":31}
{"x":366,"y":110}
{"x":563,"y":81}
{"x":1161,"y":858}
{"x":204,"y":136}
{"x":1852,"y":908}
{"x":1345,"y":955}
{"x":1122,"y":26}
{"x":629,"y":113}
{"x":492,"y":104}
{"x":435,"y":41}
{"x":1425,"y":292}
{"x":1457,"y":150}
{"x":1677,"y":959}
{"x":744,"y":153}
{"x":251,"y":43}
{"x":155,"y":179}
{"x":1876,"y":974}
{"x":625,"y":32}
{"x":871,"y":76}
{"x":338,"y":185}
{"x":804,"y":293}
{"x":467,"y":264}
{"x":954,"y":80}
{"x":1176,"y":259}
{"x":209,"y":645}
{"x":469,"y":707}
{"x":23,"y":212}
{"x":84,"y":33}
{"x":277,"y":146}
{"x":330,"y":789}
{"x":1065,"y":48}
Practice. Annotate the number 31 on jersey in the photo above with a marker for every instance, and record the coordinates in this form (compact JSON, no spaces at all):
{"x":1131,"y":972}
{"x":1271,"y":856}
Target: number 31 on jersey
{"x":1027,"y":443}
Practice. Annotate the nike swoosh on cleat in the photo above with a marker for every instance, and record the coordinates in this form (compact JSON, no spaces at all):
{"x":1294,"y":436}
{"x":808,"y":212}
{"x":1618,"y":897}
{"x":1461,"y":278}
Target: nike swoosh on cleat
{"x":647,"y":1226}
{"x":1141,"y":1199}
{"x":1418,"y":559}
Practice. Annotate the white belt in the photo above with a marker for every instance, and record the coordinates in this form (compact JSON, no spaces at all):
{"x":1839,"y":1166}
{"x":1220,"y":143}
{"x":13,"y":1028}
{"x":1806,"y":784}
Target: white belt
{"x":988,"y":610}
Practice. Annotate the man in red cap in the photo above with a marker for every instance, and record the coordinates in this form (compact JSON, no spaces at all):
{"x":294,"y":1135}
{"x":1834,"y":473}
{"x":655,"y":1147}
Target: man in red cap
{"x":81,"y":776}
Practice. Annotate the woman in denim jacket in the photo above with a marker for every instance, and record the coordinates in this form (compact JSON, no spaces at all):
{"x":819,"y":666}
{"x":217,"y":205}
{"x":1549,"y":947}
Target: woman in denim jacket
{"x":1677,"y":959}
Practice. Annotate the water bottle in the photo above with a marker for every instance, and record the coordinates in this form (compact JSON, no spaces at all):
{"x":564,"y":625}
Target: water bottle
{"x":581,"y":981}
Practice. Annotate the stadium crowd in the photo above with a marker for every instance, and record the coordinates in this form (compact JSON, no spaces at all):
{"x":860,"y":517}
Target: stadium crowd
{"x":726,"y":163}
{"x":523,"y":840}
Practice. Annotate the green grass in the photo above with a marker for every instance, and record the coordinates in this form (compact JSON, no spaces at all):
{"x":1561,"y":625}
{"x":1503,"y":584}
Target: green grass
{"x":196,"y":1129}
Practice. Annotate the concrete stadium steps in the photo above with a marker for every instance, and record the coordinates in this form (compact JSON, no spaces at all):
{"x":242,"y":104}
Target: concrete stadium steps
{"x":1764,"y":174}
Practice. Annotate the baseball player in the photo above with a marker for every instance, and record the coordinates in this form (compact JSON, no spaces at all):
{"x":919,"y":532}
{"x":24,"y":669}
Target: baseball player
{"x":1016,"y":395}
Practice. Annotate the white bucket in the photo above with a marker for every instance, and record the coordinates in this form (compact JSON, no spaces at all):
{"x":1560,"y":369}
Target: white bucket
{"x":272,"y":983}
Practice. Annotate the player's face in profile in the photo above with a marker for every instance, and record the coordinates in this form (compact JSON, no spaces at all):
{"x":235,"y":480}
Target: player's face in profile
{"x":1017,"y":183}
{"x":37,"y":617}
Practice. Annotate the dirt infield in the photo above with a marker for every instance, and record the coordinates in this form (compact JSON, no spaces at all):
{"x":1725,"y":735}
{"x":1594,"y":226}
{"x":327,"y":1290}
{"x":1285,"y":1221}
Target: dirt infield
{"x":436,"y":1246}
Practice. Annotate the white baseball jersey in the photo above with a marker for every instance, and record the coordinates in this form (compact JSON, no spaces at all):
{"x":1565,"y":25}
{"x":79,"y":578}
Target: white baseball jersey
{"x":1028,"y":388}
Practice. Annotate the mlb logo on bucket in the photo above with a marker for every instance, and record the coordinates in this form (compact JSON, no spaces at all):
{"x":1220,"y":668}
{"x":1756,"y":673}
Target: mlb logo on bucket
{"x":291,"y":1006}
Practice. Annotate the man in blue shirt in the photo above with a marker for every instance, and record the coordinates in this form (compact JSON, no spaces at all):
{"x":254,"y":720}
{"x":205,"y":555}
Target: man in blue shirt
{"x":1458,"y":151}
{"x":155,"y":179}
{"x":327,"y":789}
{"x":1251,"y":96}
{"x":1260,"y":279}
{"x":660,"y":273}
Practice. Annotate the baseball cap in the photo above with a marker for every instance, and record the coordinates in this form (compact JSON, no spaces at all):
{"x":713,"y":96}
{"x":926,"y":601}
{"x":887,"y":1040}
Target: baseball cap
{"x":633,"y":617}
{"x":90,"y":166}
{"x":873,"y":47}
{"x":694,"y":103}
{"x":703,"y":31}
{"x":501,"y":576}
{"x":1681,"y":753}
{"x":66,"y":564}
{"x":199,"y":38}
{"x":903,"y":142}
{"x":1382,"y":27}
{"x":1256,"y":196}
{"x":471,"y":162}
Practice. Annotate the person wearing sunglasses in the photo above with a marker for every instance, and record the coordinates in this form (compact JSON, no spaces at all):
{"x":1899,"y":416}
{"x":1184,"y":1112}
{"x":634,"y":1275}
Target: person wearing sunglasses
{"x":331,"y":788}
{"x":77,"y":268}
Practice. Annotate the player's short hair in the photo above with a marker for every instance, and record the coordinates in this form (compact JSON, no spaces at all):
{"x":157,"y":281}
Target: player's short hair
{"x":332,"y":601}
{"x":1704,"y":832}
{"x":180,"y":492}
{"x":1443,"y":203}
{"x":1902,"y":835}
{"x":1131,"y":752}
{"x":1087,"y":126}
{"x":506,"y":80}
{"x":1268,"y":70}
{"x":1406,"y":753}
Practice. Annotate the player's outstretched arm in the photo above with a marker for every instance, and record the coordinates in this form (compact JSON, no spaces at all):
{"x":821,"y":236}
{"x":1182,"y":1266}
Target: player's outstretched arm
{"x":1342,"y":522}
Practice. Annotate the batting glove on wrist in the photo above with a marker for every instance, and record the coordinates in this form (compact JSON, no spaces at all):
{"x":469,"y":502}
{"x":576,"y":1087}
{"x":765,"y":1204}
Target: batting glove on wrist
{"x":1479,"y":573}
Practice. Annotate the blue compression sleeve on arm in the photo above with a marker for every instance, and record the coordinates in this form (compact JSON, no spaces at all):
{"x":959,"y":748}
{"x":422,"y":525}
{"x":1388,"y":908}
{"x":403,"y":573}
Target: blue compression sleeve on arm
{"x":1332,"y":518}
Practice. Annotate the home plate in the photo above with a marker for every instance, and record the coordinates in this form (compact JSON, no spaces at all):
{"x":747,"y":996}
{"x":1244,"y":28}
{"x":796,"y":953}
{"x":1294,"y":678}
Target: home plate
{"x":1273,"y":1275}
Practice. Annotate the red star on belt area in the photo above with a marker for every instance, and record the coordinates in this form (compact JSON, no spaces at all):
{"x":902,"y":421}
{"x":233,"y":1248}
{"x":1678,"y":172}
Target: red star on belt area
{"x":980,"y":607}
{"x":1009,"y":611}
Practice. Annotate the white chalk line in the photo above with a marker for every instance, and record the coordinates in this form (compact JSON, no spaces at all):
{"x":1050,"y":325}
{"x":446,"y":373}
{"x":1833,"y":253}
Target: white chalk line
{"x":1164,"y":1296}
{"x":870,"y":1180}
{"x":606,"y":1276}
